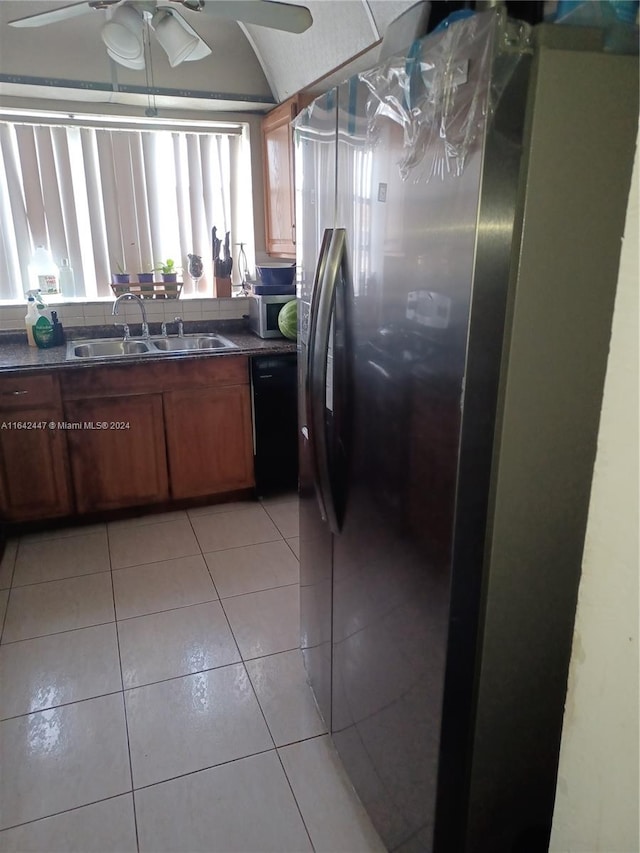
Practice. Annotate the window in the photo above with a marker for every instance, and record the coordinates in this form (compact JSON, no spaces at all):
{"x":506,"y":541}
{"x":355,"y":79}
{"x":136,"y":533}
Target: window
{"x":113,"y":198}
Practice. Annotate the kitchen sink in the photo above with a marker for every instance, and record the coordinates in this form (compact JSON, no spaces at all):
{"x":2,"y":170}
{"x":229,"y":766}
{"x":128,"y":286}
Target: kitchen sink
{"x":105,"y":348}
{"x":192,"y":342}
{"x":111,"y":348}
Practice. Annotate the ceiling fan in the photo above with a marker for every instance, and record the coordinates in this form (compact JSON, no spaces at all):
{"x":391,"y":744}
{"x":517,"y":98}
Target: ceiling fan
{"x":126,"y":19}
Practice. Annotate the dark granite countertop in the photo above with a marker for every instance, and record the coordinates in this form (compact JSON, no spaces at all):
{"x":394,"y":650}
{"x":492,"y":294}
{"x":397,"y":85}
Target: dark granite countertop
{"x":17,"y":355}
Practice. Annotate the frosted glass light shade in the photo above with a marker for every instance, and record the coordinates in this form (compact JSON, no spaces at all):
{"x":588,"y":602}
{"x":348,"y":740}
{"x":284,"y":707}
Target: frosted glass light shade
{"x":178,"y":42}
{"x":136,"y":64}
{"x":123,"y":36}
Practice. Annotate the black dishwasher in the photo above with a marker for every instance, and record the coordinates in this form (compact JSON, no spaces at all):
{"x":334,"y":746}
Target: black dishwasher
{"x":274,"y":380}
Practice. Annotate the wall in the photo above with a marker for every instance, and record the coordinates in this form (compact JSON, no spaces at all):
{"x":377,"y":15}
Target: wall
{"x":98,"y":313}
{"x":597,"y":796}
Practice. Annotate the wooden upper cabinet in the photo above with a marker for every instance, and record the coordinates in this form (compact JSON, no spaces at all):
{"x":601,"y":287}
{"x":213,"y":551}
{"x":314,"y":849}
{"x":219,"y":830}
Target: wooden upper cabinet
{"x":279,"y":181}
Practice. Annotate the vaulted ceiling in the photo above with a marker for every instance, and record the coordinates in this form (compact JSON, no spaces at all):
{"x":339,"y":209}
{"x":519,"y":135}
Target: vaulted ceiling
{"x":250,"y":67}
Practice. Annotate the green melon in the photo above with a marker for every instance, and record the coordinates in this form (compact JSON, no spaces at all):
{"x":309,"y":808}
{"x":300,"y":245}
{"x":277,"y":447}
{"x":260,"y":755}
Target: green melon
{"x":288,"y":320}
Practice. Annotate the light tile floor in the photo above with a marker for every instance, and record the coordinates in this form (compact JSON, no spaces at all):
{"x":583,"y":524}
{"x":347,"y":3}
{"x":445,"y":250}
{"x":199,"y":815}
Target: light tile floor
{"x":153,"y":696}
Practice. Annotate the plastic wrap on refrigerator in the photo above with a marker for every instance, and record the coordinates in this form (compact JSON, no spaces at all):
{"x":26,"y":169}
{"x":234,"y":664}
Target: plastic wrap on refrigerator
{"x":440,"y":100}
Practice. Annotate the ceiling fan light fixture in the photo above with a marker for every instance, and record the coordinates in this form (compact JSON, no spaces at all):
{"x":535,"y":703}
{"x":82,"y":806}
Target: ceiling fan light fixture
{"x":123,"y":37}
{"x":178,"y":42}
{"x":135,"y":64}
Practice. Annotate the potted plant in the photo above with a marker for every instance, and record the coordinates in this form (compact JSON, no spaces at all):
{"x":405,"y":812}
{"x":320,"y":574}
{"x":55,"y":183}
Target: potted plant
{"x":168,"y":269}
{"x":145,"y":277}
{"x":120,"y":277}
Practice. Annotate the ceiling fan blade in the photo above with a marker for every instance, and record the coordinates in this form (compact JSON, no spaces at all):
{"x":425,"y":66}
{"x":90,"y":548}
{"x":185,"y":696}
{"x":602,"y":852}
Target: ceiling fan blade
{"x":264,"y":13}
{"x":52,"y":16}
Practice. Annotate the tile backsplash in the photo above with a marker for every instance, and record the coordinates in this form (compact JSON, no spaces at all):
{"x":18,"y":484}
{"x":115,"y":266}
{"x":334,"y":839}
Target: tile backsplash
{"x":158,"y":311}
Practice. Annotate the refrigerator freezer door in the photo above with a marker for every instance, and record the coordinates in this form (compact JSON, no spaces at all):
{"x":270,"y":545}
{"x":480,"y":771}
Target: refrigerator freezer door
{"x":411,"y":247}
{"x":315,"y":154}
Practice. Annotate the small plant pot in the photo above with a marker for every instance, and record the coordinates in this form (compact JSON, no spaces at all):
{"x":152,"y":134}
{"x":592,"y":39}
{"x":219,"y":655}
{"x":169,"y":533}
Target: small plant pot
{"x":170,"y":277}
{"x":120,"y":277}
{"x":145,"y":277}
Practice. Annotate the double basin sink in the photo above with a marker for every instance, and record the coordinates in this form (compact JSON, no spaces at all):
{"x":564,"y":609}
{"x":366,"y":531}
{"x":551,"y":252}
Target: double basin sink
{"x":111,"y":348}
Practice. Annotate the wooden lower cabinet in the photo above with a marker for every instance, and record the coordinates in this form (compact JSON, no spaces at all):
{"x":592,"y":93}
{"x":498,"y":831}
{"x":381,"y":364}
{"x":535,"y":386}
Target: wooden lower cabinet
{"x":135,"y":435}
{"x":121,"y":466}
{"x":209,"y":440}
{"x":34,"y":479}
{"x":34,"y":482}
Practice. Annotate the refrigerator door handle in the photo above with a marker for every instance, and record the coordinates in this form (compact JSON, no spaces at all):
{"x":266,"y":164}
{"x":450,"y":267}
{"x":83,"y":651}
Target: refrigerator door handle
{"x":318,"y":353}
{"x":310,"y":406}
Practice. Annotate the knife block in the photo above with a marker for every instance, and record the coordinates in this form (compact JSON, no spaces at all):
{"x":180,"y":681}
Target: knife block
{"x":222,"y":286}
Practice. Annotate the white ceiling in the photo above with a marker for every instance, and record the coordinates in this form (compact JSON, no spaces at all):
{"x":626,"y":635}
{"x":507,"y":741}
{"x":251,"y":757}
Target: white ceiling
{"x":341,"y":29}
{"x":251,"y":63}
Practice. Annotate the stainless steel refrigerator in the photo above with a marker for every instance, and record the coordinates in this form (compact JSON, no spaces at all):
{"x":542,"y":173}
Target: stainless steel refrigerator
{"x":459,"y":216}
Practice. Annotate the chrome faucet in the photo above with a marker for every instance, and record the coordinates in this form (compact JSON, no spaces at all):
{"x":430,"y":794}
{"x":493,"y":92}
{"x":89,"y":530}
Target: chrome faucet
{"x":178,"y":320}
{"x":114,"y":310}
{"x":125,"y":329}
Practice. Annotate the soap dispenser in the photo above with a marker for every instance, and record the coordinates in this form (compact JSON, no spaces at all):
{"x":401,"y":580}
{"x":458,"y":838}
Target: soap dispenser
{"x":58,"y":331}
{"x":31,"y":319}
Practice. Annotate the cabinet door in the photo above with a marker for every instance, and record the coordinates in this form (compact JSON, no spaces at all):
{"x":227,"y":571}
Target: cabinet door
{"x":279,"y":181}
{"x":209,"y":440}
{"x":117,"y":467}
{"x":34,"y":468}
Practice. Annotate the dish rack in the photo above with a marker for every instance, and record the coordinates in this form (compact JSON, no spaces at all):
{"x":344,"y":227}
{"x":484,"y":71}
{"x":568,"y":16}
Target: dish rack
{"x":150,"y":290}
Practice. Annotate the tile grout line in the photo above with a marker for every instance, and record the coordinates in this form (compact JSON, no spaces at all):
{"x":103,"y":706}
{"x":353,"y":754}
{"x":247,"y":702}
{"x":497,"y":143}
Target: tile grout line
{"x":257,"y":698}
{"x":37,"y":538}
{"x":6,"y":609}
{"x":224,"y":612}
{"x":166,"y":610}
{"x":241,"y":661}
{"x":65,"y":578}
{"x":264,"y":717}
{"x":77,"y":528}
{"x":200,"y":553}
{"x":123,"y":691}
{"x":163,"y":781}
{"x":183,"y":675}
{"x":252,"y":545}
{"x":124,"y":703}
{"x":56,"y":633}
{"x":291,"y":549}
{"x":150,"y":613}
{"x":275,"y":524}
{"x":293,"y":793}
{"x":204,"y":769}
{"x":65,"y":811}
{"x":255,"y":591}
{"x":62,"y":704}
{"x":153,"y":562}
{"x":284,"y":769}
{"x":295,"y":799}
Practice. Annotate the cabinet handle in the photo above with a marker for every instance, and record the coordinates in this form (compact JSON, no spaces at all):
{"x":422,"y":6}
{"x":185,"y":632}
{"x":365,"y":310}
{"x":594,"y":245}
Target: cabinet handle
{"x":293,"y":233}
{"x":13,"y":393}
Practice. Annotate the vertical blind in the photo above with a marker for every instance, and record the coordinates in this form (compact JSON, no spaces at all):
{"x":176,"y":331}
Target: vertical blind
{"x":109,"y":199}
